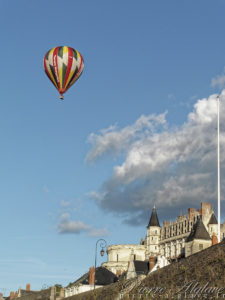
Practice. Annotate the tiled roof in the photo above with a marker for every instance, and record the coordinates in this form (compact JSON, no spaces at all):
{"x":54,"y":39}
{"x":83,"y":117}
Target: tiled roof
{"x":198,"y":232}
{"x":154,"y":221}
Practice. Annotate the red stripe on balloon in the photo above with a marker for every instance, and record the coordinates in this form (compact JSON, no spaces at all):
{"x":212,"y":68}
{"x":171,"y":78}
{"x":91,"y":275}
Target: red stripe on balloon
{"x":81,"y":63}
{"x":55,"y":65}
{"x":69,"y":65}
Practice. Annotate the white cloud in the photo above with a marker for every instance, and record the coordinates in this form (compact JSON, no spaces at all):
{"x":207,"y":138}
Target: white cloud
{"x":218,"y":81}
{"x":113,"y":140}
{"x":66,"y":225}
{"x":172,"y":168}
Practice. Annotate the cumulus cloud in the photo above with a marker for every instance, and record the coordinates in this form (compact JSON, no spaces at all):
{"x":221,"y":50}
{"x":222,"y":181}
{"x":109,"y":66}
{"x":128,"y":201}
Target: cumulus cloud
{"x":171,"y":167}
{"x":112,"y":140}
{"x":66,"y":225}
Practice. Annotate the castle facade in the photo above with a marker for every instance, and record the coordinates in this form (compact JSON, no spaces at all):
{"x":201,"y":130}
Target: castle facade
{"x":187,"y":235}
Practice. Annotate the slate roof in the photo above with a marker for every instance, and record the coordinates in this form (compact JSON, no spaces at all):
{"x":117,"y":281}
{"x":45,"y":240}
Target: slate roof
{"x":141,"y":267}
{"x":26,"y":292}
{"x":103,"y":277}
{"x":198,"y":232}
{"x":154,"y":221}
{"x":34,"y":295}
{"x":213,"y":219}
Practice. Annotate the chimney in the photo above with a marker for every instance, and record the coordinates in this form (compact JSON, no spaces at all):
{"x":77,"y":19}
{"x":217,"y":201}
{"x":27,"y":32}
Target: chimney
{"x":191,"y":211}
{"x":12,"y":295}
{"x":206,"y":207}
{"x":92,"y":276}
{"x":151,"y":262}
{"x":28,"y":287}
{"x":214,"y":239}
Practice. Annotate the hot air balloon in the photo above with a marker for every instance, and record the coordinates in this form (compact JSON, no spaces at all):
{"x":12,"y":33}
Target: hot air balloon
{"x":63,"y":66}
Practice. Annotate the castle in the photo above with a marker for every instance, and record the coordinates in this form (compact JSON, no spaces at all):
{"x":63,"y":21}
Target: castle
{"x":185,"y":236}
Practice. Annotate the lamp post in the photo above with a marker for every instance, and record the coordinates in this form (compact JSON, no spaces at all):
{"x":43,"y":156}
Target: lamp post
{"x":218,"y":162}
{"x":103,"y":245}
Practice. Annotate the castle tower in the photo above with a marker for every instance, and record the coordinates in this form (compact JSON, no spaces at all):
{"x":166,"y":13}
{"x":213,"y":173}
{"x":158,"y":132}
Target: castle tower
{"x":153,"y":234}
{"x":213,"y":225}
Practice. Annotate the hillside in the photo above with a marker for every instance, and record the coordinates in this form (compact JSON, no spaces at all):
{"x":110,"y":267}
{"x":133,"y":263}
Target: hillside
{"x":200,"y":275}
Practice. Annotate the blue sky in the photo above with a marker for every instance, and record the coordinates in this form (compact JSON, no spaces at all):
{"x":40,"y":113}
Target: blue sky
{"x":93,"y":166}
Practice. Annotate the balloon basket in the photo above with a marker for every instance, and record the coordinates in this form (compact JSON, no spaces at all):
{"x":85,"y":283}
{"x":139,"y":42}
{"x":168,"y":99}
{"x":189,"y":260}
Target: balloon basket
{"x":61,"y":97}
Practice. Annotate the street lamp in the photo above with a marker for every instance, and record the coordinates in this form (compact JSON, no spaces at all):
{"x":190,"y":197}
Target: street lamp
{"x":103,"y":245}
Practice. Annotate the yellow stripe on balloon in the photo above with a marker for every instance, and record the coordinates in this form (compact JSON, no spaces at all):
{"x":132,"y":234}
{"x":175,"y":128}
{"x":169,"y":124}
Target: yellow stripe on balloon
{"x":65,"y":50}
{"x":71,"y":72}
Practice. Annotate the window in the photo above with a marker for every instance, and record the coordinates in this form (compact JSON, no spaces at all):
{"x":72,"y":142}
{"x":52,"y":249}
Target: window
{"x":134,"y":256}
{"x":155,"y":247}
{"x":200,"y":246}
{"x":152,"y":238}
{"x":156,"y":232}
{"x":117,"y":257}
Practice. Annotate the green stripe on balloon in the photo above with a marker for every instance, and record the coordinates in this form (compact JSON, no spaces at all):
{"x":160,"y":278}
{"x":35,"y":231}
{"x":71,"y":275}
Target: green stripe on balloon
{"x":74,"y":54}
{"x":60,"y":53}
{"x":63,"y":74}
{"x":53,"y":74}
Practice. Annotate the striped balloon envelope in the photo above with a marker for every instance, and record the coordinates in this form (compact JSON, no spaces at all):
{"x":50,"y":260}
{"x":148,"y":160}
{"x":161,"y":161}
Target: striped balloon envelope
{"x":63,"y":66}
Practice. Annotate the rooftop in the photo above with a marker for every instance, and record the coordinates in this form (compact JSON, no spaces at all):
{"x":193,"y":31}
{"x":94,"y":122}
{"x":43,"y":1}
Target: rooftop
{"x":198,"y":232}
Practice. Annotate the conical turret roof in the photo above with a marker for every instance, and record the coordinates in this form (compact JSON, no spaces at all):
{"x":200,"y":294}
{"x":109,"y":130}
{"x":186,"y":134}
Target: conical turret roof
{"x":154,"y":221}
{"x":198,"y":232}
{"x":213,"y":219}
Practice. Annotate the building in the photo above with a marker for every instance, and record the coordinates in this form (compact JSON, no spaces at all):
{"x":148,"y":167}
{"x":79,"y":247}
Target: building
{"x":86,"y":282}
{"x":186,"y":235}
{"x":120,"y":255}
{"x":52,"y":293}
{"x":198,"y":239}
